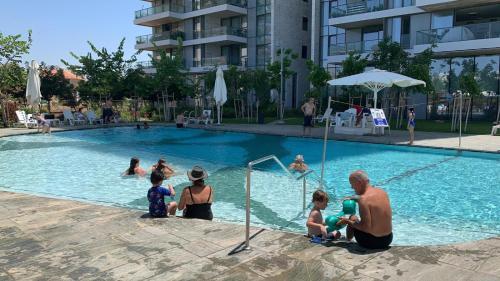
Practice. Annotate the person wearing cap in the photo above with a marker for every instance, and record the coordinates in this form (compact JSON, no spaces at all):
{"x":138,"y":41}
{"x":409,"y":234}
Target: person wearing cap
{"x":298,"y":164}
{"x":196,"y":200}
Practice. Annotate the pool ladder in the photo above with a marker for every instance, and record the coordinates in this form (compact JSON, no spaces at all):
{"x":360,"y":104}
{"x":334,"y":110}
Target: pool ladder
{"x":250,"y":165}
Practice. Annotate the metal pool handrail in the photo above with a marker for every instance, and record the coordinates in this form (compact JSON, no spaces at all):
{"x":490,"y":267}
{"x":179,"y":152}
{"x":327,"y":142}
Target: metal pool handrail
{"x":249,"y":173}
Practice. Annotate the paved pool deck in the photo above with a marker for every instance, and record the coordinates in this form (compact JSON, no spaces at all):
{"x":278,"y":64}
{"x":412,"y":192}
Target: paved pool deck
{"x":483,"y":143}
{"x":53,"y":239}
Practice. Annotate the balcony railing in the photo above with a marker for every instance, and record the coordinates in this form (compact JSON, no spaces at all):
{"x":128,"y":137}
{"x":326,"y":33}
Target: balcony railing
{"x":459,"y":33}
{"x":367,"y":46}
{"x":159,"y":9}
{"x":150,"y":38}
{"x":223,"y":60}
{"x":212,"y":3}
{"x":357,"y":8}
{"x":263,"y":9}
{"x":221,"y":30}
{"x":144,"y":64}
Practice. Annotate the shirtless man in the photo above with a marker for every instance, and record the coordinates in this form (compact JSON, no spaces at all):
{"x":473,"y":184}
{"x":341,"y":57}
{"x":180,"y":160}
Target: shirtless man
{"x":309,"y":110}
{"x":374,"y":228}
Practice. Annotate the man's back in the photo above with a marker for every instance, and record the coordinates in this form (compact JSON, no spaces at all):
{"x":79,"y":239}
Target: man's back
{"x":380,"y":211}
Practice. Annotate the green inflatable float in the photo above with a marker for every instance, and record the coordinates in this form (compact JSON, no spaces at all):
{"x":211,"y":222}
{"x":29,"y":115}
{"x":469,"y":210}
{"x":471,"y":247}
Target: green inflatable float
{"x":348,"y":208}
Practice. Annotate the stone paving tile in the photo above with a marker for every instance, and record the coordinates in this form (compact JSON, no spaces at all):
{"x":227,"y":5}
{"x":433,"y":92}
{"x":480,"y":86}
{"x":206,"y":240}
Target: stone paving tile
{"x":393,"y":267}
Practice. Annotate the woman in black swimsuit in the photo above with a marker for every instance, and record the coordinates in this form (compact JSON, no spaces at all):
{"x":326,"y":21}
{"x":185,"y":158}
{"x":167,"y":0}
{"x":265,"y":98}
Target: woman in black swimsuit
{"x":196,"y":200}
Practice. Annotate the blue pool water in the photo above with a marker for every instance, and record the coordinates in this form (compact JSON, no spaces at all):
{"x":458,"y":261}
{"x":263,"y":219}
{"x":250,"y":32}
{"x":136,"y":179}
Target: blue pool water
{"x":438,"y":197}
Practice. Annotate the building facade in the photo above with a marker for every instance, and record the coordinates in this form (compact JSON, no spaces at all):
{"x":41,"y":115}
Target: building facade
{"x":466,"y":35}
{"x":244,"y":33}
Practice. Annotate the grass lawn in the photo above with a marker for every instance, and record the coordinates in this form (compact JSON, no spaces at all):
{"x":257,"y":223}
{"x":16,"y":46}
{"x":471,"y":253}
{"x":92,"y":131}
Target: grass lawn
{"x":473,"y":127}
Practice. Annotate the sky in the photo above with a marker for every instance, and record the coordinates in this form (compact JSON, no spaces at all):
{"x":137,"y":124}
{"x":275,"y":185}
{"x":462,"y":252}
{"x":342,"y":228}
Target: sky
{"x":63,"y":26}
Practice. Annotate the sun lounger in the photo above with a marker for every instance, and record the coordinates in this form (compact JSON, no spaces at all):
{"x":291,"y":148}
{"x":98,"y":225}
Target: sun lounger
{"x":206,"y":117}
{"x":93,"y":119}
{"x":494,"y":129}
{"x":68,"y":116}
{"x":24,"y":120}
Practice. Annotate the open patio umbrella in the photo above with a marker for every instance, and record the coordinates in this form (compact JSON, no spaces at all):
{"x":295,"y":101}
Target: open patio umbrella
{"x":220,"y":92}
{"x":33,"y":94}
{"x":376,"y":80}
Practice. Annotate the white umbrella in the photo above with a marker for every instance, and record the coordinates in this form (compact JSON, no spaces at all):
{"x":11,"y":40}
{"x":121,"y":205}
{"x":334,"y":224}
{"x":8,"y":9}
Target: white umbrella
{"x":220,"y":93}
{"x":376,"y":80}
{"x":33,"y":94}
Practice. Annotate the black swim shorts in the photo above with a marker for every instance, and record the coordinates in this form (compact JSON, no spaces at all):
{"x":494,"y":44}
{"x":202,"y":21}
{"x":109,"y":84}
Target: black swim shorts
{"x":366,"y":240}
{"x":308,"y":121}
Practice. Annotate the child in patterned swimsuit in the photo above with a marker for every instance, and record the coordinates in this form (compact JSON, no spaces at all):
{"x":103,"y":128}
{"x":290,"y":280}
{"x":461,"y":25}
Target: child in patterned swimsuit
{"x":156,"y":197}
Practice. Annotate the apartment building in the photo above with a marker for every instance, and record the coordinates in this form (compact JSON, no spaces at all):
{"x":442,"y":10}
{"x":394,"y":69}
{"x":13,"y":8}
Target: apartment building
{"x":244,"y":33}
{"x":466,"y":35}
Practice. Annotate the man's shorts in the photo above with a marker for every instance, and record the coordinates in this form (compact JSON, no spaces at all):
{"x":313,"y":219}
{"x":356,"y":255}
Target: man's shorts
{"x":308,"y":121}
{"x":366,"y":240}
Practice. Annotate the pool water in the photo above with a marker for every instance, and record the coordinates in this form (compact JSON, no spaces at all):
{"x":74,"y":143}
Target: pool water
{"x":438,"y":196}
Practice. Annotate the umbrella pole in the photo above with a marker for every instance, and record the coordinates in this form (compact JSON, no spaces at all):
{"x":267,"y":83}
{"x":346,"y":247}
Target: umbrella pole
{"x":325,"y":139}
{"x":218,"y":114}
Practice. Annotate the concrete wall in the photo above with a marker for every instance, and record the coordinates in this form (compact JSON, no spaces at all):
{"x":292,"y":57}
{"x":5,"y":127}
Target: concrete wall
{"x":288,"y":33}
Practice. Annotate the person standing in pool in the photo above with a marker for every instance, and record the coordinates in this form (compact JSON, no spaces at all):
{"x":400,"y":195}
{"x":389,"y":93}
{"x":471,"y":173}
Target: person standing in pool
{"x":373,"y":230}
{"x":411,"y":125}
{"x":309,"y":110}
{"x":163,"y":167}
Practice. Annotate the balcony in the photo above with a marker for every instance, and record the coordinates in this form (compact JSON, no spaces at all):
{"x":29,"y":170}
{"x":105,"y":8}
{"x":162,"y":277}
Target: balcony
{"x":357,"y":8}
{"x":160,"y":14}
{"x":164,"y":39}
{"x":472,"y":37}
{"x":437,"y":5}
{"x":223,"y":8}
{"x":221,"y":34}
{"x":208,"y":64}
{"x":367,"y":46}
{"x":212,"y":3}
{"x":459,"y":33}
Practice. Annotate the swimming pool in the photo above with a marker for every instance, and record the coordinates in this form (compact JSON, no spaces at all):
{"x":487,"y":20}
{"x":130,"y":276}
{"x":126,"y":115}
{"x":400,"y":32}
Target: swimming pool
{"x":438,"y":197}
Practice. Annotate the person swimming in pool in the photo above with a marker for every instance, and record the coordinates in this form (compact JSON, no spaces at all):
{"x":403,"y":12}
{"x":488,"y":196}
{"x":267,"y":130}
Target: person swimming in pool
{"x":163,"y":167}
{"x":134,"y":168}
{"x":298,"y":164}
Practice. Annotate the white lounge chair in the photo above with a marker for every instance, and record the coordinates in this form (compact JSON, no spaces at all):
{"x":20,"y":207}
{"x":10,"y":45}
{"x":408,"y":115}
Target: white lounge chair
{"x":322,"y":118}
{"x":494,"y":129}
{"x":24,"y":120}
{"x":93,"y":119}
{"x":68,"y":116}
{"x":206,"y":117}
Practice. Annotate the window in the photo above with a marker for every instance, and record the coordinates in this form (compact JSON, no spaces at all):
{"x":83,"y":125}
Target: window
{"x":305,"y":23}
{"x":304,"y":52}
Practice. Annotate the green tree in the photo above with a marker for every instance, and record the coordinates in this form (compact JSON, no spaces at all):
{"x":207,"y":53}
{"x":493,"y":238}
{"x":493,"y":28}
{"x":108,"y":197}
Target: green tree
{"x":12,"y":75}
{"x":104,"y":72}
{"x":318,"y":77}
{"x":137,"y":83}
{"x":353,"y":64}
{"x":390,"y":56}
{"x":419,"y":67}
{"x":281,"y":67}
{"x":171,"y":76}
{"x":53,"y":83}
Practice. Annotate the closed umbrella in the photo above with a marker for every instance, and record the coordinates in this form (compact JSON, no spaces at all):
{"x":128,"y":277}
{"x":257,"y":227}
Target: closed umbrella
{"x":33,"y":94}
{"x":376,"y":80}
{"x":220,"y":93}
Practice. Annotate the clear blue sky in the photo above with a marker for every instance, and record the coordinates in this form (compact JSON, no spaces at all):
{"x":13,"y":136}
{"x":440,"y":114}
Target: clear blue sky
{"x":61,"y":26}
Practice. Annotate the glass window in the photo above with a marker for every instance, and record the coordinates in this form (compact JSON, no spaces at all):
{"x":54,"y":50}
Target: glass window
{"x":442,"y":19}
{"x":304,"y":52}
{"x":459,"y":68}
{"x":305,"y":23}
{"x":487,"y":75}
